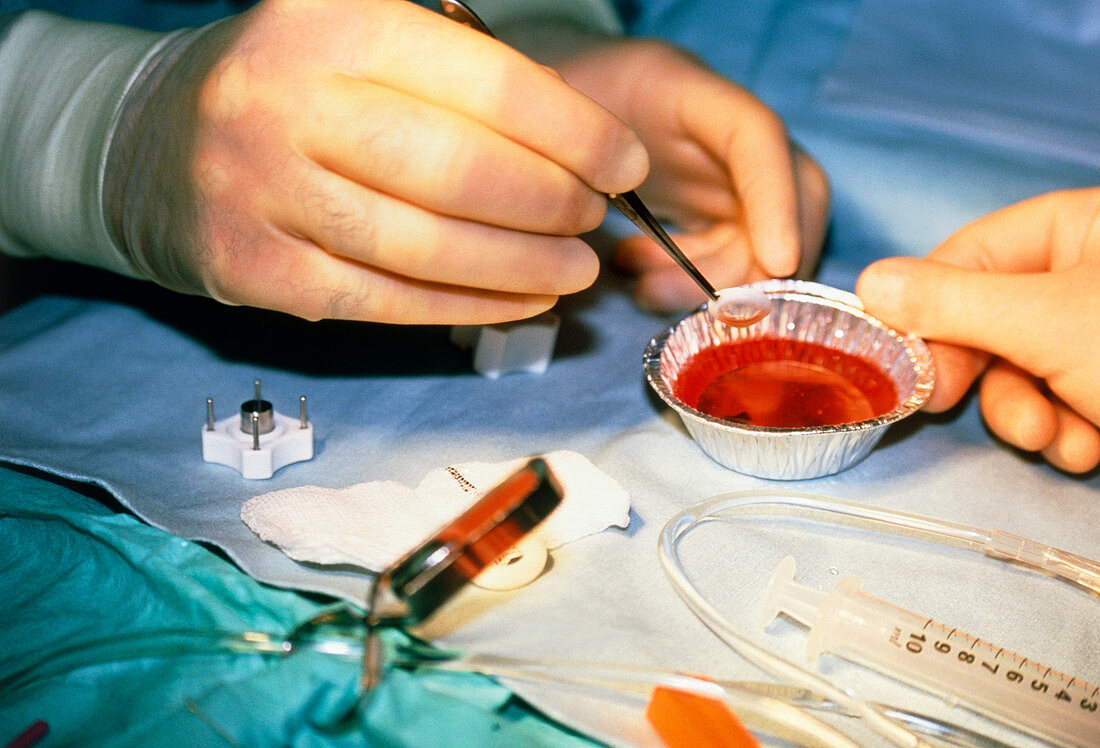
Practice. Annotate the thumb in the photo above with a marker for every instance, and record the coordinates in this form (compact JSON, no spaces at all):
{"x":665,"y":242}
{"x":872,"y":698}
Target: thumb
{"x":1012,"y":315}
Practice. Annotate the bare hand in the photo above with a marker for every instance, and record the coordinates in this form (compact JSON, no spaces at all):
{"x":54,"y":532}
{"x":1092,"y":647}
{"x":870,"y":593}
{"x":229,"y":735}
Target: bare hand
{"x":1012,"y":299}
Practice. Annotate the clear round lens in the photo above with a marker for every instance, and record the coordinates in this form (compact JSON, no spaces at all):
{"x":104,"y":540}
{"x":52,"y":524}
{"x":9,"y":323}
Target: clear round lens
{"x":740,"y":306}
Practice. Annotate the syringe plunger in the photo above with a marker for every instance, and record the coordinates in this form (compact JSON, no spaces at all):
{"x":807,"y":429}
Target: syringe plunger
{"x":784,"y":595}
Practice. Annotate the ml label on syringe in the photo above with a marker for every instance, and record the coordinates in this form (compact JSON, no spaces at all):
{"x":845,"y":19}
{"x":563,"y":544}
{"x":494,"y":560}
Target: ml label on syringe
{"x":963,"y":669}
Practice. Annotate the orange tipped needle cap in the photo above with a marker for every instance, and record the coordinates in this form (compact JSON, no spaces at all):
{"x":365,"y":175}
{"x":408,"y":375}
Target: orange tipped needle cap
{"x":688,"y":720}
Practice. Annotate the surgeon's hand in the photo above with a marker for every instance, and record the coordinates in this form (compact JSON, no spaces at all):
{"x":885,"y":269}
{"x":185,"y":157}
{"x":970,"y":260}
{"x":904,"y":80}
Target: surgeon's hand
{"x":365,"y":160}
{"x":1013,"y":300}
{"x":747,"y":202}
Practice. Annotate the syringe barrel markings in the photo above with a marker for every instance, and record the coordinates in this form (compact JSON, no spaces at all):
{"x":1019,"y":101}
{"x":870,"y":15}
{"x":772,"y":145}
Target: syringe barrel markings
{"x":961,"y":668}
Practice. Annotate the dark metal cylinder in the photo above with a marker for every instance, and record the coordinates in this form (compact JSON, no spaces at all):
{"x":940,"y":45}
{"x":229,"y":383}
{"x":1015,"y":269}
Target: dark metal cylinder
{"x":265,"y":412}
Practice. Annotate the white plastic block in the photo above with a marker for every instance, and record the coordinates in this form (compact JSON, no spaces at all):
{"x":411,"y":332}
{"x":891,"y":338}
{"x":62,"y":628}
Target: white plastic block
{"x":288,"y":442}
{"x":524,"y":345}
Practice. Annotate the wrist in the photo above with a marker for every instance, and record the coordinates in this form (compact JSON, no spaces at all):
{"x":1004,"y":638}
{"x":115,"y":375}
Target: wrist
{"x":62,"y":83}
{"x":134,"y":189}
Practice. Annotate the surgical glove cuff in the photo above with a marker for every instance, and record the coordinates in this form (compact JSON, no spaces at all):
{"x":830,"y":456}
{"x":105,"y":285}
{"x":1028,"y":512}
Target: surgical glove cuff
{"x":62,"y":86}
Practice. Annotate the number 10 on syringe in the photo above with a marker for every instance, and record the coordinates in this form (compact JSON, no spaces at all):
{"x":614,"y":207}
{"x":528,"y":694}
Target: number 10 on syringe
{"x":963,"y":669}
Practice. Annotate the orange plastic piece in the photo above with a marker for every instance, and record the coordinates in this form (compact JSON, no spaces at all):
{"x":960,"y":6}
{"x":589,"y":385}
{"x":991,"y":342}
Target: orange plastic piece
{"x":689,"y":720}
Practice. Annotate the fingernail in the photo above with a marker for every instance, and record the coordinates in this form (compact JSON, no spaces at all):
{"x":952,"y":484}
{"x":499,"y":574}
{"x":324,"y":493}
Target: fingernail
{"x":787,"y":263}
{"x":628,"y":167}
{"x":881,"y":287}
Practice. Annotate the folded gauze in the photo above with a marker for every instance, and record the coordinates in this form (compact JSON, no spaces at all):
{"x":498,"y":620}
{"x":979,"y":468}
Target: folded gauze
{"x":371,"y":525}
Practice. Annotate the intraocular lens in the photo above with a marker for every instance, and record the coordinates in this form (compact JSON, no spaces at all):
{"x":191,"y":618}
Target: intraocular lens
{"x":740,"y":306}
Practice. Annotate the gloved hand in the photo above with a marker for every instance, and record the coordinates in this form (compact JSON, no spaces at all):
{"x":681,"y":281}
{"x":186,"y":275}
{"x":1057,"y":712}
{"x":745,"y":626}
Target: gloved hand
{"x":748,"y":203}
{"x":369,"y":160}
{"x":1013,"y":299}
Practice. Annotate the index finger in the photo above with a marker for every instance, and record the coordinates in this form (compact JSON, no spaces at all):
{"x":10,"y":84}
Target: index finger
{"x":759,"y":158}
{"x":473,"y":74}
{"x":1022,"y":317}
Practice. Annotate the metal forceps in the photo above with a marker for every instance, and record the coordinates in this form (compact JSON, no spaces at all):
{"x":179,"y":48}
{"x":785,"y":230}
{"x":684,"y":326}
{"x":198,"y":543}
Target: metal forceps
{"x":628,"y":203}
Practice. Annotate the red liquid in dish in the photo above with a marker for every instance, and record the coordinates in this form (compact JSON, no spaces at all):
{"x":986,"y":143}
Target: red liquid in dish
{"x":784,"y":384}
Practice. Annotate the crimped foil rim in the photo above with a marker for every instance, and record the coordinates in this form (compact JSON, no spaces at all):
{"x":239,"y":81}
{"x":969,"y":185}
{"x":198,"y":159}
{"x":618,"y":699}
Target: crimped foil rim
{"x":813,"y":293}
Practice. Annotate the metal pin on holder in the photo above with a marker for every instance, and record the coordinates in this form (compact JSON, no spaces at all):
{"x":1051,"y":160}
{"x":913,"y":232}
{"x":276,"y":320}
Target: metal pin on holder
{"x":258,"y":441}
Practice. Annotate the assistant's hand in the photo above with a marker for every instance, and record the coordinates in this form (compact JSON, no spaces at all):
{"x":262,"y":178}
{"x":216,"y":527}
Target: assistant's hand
{"x":365,"y":160}
{"x":1013,"y":298}
{"x":750,"y":205}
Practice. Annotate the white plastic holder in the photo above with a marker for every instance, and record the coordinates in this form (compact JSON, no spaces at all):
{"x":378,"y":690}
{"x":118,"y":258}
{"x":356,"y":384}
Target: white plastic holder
{"x":520,"y":565}
{"x":288,"y":442}
{"x":522,"y":346}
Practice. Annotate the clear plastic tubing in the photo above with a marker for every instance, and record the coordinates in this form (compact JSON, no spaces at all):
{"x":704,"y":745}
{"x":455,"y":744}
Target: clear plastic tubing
{"x":962,"y":669}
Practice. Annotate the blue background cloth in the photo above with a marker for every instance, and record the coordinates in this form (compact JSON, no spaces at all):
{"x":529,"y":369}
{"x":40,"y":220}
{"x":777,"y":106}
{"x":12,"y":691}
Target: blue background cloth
{"x":903,"y":183}
{"x":104,"y":380}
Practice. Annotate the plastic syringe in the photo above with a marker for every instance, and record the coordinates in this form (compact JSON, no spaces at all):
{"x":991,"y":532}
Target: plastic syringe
{"x":962,"y":669}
